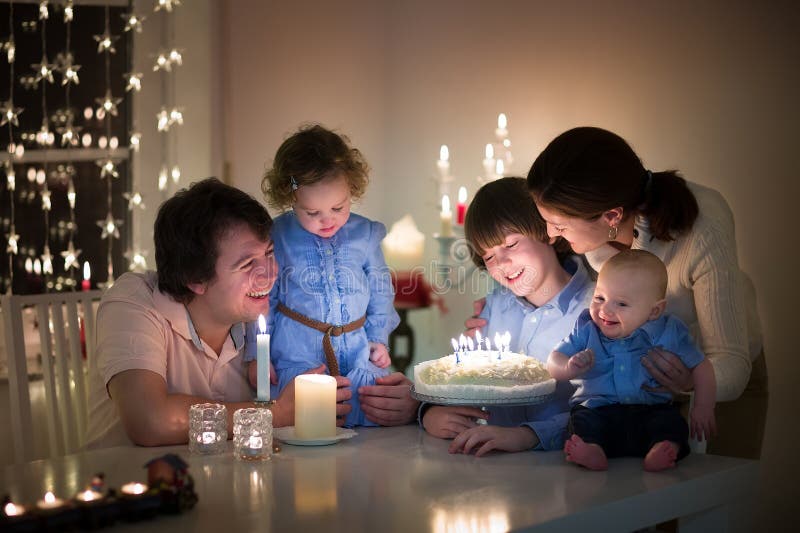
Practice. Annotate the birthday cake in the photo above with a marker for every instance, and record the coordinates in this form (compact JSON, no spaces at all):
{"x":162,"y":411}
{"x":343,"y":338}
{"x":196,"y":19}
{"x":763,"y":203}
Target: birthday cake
{"x":483,"y":375}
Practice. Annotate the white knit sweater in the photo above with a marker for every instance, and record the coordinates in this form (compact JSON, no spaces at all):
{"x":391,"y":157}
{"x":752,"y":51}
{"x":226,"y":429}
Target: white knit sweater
{"x":707,"y":289}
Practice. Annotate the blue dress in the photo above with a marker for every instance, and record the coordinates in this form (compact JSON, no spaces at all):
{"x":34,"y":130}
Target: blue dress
{"x":334,"y":280}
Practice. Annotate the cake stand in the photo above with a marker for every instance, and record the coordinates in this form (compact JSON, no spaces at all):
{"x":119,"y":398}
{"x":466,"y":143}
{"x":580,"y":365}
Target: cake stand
{"x":483,"y":403}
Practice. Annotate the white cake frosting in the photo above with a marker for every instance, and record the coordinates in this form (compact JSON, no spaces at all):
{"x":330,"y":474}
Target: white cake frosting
{"x":481,"y":375}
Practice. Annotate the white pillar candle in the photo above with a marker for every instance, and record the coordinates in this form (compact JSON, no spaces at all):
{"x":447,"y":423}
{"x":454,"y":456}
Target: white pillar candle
{"x":314,"y":406}
{"x":262,"y":358}
{"x":446,"y":217}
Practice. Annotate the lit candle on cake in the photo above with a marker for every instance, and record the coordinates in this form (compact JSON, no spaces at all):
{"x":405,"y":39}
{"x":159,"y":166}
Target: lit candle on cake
{"x":314,"y":406}
{"x":262,"y":361}
{"x":488,"y":161}
{"x":86,"y":284}
{"x":446,"y":217}
{"x":501,"y":132}
{"x":478,"y":339}
{"x":443,"y":164}
{"x":461,"y":206}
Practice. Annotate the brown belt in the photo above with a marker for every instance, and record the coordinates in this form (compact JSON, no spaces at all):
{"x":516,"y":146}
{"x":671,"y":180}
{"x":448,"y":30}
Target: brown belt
{"x":328,"y":329}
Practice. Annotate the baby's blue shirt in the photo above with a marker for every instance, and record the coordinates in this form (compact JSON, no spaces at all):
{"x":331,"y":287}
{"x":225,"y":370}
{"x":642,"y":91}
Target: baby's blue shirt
{"x":618,"y":375}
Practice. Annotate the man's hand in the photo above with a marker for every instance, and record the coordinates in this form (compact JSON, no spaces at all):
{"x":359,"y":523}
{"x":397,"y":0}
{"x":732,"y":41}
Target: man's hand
{"x":389,"y":401}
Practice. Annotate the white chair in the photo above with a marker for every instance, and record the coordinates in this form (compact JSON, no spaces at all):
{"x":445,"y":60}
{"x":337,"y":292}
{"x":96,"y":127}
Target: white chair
{"x":63,"y":368}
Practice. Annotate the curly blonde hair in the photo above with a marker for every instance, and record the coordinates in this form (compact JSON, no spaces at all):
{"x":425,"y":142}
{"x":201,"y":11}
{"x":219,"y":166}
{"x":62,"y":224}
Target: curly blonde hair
{"x":310,"y":155}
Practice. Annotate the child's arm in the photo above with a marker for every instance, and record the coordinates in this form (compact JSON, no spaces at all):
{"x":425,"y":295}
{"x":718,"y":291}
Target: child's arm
{"x":703,"y":424}
{"x":563,"y":367}
{"x":379,"y":355}
{"x":446,"y":422}
{"x":381,"y":315}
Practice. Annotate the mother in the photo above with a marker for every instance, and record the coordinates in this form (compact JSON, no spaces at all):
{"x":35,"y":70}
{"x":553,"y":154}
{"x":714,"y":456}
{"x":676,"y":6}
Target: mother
{"x":592,"y":190}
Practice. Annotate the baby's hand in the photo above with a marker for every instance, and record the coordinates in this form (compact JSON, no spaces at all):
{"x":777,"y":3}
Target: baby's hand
{"x":702,"y":422}
{"x":580,"y":363}
{"x":379,"y":355}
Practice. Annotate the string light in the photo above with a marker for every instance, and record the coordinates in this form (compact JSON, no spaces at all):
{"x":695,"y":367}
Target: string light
{"x":70,"y":256}
{"x":110,"y":227}
{"x":134,"y":200}
{"x":105,"y":43}
{"x":134,"y":81}
{"x":167,"y":5}
{"x":10,"y":114}
{"x":133,"y":22}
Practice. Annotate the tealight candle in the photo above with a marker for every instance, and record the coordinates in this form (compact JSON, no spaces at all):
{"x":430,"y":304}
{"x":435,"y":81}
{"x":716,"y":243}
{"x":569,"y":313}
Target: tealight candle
{"x":49,"y":502}
{"x":133,"y":489}
{"x":208,"y":430}
{"x":252,"y":434}
{"x":446,"y":217}
{"x":262,"y":361}
{"x":88,"y":496}
{"x":12,"y":509}
{"x":314,"y":406}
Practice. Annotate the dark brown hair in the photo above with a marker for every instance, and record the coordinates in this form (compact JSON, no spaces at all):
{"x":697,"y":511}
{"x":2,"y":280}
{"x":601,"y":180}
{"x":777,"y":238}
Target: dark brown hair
{"x":311,"y":155}
{"x":586,"y":171}
{"x":501,"y":207}
{"x":189,"y":227}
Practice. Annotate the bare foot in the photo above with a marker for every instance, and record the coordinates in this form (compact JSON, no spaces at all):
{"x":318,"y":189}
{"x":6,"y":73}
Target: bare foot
{"x":591,"y":456}
{"x":661,"y":456}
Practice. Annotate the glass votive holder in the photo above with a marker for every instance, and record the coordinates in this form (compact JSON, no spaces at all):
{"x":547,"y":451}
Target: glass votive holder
{"x":252,"y":434}
{"x":208,"y":428}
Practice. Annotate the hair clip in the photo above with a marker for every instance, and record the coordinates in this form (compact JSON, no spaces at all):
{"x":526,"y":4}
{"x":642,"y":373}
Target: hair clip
{"x":293,"y":182}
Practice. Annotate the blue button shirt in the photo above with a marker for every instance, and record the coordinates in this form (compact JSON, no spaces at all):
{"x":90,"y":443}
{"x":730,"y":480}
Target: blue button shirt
{"x":535,"y":331}
{"x":618,"y":375}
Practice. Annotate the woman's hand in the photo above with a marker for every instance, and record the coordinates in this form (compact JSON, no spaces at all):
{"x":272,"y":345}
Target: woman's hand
{"x":448,"y":422}
{"x":484,"y":439}
{"x":474,"y":323}
{"x":668,"y":370}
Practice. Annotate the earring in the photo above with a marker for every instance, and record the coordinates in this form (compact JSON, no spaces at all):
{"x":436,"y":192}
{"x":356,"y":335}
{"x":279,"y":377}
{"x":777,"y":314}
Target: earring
{"x":612,"y":232}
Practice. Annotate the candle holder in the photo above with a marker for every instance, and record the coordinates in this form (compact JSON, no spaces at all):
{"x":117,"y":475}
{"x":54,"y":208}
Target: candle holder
{"x":17,"y":518}
{"x":138,"y":502}
{"x":208,"y":431}
{"x":96,"y":510}
{"x":252,"y":434}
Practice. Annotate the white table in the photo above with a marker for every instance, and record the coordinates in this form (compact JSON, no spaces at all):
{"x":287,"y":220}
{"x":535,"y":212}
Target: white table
{"x":401,"y":479}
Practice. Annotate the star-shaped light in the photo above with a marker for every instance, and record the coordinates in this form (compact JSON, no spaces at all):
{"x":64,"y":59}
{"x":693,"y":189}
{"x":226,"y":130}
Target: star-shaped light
{"x":134,"y":200}
{"x":134,"y":81}
{"x":163,"y":176}
{"x":69,"y":134}
{"x":110,"y":227}
{"x":11,"y":50}
{"x":162,"y":63}
{"x":163,"y":120}
{"x":70,"y":73}
{"x":12,"y":247}
{"x":137,"y":258}
{"x":46,"y":203}
{"x":136,"y":141}
{"x":68,"y":12}
{"x":175,"y":57}
{"x":70,"y":256}
{"x":47,"y":260}
{"x":44,"y":70}
{"x":176,"y":116}
{"x":106,"y":42}
{"x":43,"y":15}
{"x":9,"y":113}
{"x":133,"y":22}
{"x":109,"y":103}
{"x":167,"y":5}
{"x":11,"y":176}
{"x":107,"y":168}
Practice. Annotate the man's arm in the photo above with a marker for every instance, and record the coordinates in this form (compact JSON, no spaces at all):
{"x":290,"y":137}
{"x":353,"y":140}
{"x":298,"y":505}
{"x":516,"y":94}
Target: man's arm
{"x":153,"y":417}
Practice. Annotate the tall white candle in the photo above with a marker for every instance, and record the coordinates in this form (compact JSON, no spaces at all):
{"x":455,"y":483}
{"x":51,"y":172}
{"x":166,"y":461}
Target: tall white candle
{"x":262,"y":358}
{"x":443,"y":164}
{"x":314,"y":406}
{"x":446,"y":217}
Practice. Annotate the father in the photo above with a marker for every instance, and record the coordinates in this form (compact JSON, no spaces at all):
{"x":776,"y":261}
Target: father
{"x":174,"y":338}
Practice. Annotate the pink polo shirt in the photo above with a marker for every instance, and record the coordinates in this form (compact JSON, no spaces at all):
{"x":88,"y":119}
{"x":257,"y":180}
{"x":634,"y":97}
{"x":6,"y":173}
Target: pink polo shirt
{"x":139,"y":327}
